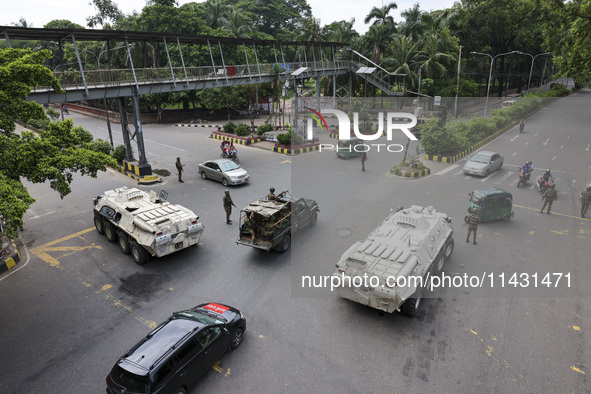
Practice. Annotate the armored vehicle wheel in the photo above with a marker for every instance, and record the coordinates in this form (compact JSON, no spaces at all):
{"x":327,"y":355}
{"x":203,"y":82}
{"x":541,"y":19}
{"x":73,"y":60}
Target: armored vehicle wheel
{"x":411,"y":306}
{"x":99,"y":224}
{"x":285,"y":243}
{"x":110,"y":232}
{"x":439,"y":262}
{"x":448,"y":248}
{"x":224,"y":182}
{"x":314,"y":218}
{"x":236,"y":339}
{"x":203,"y":175}
{"x":139,"y":254}
{"x":124,"y":243}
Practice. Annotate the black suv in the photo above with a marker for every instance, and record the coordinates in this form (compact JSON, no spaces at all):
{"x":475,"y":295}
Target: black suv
{"x":179,"y":351}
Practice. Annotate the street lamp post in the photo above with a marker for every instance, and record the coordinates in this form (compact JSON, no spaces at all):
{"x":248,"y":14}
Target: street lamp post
{"x":492,"y":60}
{"x":533,"y":58}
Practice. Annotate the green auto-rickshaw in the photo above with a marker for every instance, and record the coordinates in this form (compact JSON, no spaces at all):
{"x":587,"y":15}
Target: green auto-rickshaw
{"x":491,"y":203}
{"x":347,"y":148}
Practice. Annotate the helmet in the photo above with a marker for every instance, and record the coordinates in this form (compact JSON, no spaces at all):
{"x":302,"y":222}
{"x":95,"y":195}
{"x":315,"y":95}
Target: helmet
{"x":272,"y":190}
{"x":548,"y":170}
{"x":526,"y":163}
{"x":227,"y":192}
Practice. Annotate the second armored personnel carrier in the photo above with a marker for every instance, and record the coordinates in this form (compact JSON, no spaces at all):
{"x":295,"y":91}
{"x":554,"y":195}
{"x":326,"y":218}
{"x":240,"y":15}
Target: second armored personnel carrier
{"x":387,"y":270}
{"x":145,"y":224}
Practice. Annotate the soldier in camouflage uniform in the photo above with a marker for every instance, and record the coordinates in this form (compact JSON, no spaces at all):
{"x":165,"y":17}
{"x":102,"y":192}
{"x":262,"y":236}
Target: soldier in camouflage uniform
{"x":473,"y":219}
{"x":228,"y":206}
{"x":271,"y":196}
{"x":585,"y":200}
{"x":249,"y":225}
{"x":549,"y":196}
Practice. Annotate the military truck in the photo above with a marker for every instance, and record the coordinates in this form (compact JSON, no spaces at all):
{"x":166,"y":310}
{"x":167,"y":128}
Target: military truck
{"x":272,"y":221}
{"x":145,"y":224}
{"x":386,"y":270}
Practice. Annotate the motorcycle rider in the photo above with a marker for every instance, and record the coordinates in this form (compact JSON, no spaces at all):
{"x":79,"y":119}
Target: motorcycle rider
{"x":521,"y":125}
{"x":585,"y":200}
{"x":527,"y":169}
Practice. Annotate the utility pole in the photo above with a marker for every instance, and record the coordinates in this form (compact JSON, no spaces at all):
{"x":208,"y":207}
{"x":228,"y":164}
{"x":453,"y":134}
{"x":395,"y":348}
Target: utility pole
{"x":458,"y":83}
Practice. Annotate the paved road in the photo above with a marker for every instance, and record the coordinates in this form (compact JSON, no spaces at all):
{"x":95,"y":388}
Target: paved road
{"x":78,"y":304}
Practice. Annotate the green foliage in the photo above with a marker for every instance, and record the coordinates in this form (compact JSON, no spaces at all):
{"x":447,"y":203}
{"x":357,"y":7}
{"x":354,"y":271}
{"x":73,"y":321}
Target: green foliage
{"x":21,"y":70}
{"x":82,"y":135}
{"x":40,"y":124}
{"x":119,"y":153}
{"x":441,"y":140}
{"x":100,"y":145}
{"x":242,"y":130}
{"x":284,"y":139}
{"x":265,"y":128}
{"x":53,"y":114}
{"x":229,"y":128}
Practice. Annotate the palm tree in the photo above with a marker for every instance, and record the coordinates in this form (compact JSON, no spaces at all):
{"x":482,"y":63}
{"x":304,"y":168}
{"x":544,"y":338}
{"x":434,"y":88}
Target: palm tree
{"x":342,"y":31}
{"x":435,"y":61}
{"x":412,"y":26}
{"x":402,"y":59}
{"x":381,"y":16}
{"x":311,"y":30}
{"x":215,"y":11}
{"x":376,"y":39}
{"x":234,"y":23}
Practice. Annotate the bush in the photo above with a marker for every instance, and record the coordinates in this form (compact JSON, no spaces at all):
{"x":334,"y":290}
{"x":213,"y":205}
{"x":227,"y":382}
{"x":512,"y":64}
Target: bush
{"x":242,"y":130}
{"x":284,"y":139}
{"x":40,"y":124}
{"x":119,"y":153}
{"x":264,"y":128}
{"x":229,"y":128}
{"x":442,"y":140}
{"x":101,"y":146}
{"x":53,"y":114}
{"x":83,"y":135}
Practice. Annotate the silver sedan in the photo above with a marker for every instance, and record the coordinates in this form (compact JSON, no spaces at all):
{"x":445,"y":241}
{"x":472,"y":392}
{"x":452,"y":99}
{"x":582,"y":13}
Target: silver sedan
{"x":225,"y":171}
{"x":483,"y":163}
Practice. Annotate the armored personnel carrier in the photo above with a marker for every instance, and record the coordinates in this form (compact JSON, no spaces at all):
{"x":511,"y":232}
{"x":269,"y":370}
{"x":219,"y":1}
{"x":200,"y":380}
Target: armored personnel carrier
{"x":145,"y":224}
{"x":388,"y":270}
{"x":271,"y":221}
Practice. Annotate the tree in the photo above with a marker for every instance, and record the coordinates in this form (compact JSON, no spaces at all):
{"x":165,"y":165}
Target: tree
{"x":342,"y":31}
{"x":215,"y":12}
{"x":381,"y":15}
{"x":236,"y":24}
{"x":277,"y":18}
{"x":53,"y":157}
{"x":311,"y":30}
{"x":108,"y":14}
{"x":412,"y":25}
{"x":376,"y":39}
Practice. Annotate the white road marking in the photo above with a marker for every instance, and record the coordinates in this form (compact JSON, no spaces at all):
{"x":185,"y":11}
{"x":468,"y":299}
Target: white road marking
{"x":514,"y":138}
{"x":568,"y":137}
{"x":525,"y":143}
{"x":553,"y":158}
{"x":514,"y":154}
{"x":458,"y":173}
{"x":574,"y":181}
{"x":43,"y":214}
{"x":504,"y":177}
{"x":490,"y":176}
{"x":167,"y":146}
{"x":562,"y":146}
{"x":446,"y":170}
{"x":587,"y":147}
{"x":546,"y":143}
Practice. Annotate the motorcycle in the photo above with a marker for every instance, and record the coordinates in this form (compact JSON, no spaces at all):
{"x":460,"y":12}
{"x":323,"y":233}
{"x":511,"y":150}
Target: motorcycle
{"x":523,"y":178}
{"x":543,"y":185}
{"x":234,"y":158}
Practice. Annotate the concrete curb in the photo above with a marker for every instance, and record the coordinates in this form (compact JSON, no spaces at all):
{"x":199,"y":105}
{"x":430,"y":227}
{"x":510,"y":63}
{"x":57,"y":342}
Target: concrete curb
{"x":453,"y":159}
{"x":237,"y":140}
{"x":414,"y":174}
{"x":198,"y":125}
{"x":297,"y":151}
{"x":11,"y":261}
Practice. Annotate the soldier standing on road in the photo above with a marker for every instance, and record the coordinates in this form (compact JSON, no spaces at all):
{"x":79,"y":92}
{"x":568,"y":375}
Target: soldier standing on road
{"x":179,"y":167}
{"x":228,"y":206}
{"x":363,"y":160}
{"x":549,"y":196}
{"x":585,"y":200}
{"x":473,"y":219}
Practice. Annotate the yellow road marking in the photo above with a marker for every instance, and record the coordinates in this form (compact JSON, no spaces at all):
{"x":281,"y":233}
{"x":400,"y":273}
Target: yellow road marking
{"x":576,"y":328}
{"x":42,"y":253}
{"x":286,"y":161}
{"x":561,"y":232}
{"x":577,"y":370}
{"x":553,"y":213}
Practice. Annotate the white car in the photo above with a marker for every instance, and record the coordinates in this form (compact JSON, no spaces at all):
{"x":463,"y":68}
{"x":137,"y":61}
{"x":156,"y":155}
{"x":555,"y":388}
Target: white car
{"x":483,"y":163}
{"x":225,"y":171}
